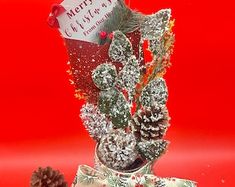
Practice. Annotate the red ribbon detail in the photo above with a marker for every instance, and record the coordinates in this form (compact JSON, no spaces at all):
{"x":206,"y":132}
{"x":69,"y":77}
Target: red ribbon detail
{"x":56,"y":10}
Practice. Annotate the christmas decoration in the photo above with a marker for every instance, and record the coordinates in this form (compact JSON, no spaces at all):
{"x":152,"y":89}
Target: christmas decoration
{"x":162,"y":47}
{"x":104,"y":76}
{"x":151,"y":123}
{"x":113,"y":103}
{"x":80,"y":37}
{"x":129,"y":76}
{"x":47,"y":177}
{"x":118,"y":150}
{"x":120,"y":49}
{"x":154,"y":26}
{"x":95,"y":122}
{"x":152,"y":150}
{"x":126,"y":112}
{"x":103,"y":35}
{"x":89,"y":177}
{"x":155,"y":92}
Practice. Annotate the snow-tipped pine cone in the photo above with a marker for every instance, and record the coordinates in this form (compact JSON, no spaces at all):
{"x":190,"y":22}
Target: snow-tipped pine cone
{"x":47,"y":177}
{"x":118,"y":150}
{"x":151,"y":123}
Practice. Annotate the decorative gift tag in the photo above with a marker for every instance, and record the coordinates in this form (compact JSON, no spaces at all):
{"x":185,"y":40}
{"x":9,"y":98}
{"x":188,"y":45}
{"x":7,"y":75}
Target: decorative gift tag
{"x":83,"y":19}
{"x":87,"y":27}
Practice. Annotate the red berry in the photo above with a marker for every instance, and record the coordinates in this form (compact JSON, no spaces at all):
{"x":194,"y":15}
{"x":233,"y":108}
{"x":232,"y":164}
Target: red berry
{"x":103,"y":35}
{"x":111,"y":36}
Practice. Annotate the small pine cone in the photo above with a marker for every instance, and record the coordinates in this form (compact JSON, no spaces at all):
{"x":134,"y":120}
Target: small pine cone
{"x":47,"y":177}
{"x":151,"y":123}
{"x":118,"y":150}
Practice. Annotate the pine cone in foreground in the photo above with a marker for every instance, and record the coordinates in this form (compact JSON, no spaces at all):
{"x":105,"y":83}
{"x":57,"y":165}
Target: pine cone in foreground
{"x":47,"y":177}
{"x":151,"y":123}
{"x":118,"y":150}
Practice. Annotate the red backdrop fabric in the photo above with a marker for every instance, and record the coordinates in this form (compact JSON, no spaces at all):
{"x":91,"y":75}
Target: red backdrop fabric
{"x":40,"y":122}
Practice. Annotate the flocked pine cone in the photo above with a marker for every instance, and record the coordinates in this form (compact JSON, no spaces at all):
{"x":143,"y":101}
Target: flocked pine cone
{"x":151,"y":123}
{"x":118,"y":150}
{"x":47,"y":177}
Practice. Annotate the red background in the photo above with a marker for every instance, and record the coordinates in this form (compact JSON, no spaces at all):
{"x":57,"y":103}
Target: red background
{"x":40,"y":122}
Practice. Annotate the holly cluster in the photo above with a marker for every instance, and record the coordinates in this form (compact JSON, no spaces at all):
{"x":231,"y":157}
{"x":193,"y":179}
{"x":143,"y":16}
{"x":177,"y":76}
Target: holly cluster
{"x":130,"y":119}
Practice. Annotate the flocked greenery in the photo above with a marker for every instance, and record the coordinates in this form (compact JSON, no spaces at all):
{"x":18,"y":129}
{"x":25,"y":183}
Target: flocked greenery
{"x":130,"y":93}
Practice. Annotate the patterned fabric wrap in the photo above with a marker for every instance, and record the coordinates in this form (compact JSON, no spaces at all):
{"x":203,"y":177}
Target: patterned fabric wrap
{"x":102,"y":176}
{"x":89,"y":177}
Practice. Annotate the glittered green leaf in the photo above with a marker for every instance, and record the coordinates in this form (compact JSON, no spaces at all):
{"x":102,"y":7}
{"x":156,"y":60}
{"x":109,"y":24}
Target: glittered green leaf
{"x":113,"y":103}
{"x":157,"y":47}
{"x":154,"y":26}
{"x":107,"y":99}
{"x":154,"y":93}
{"x":129,"y":76}
{"x":94,"y":121}
{"x":104,"y":76}
{"x":120,"y":49}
